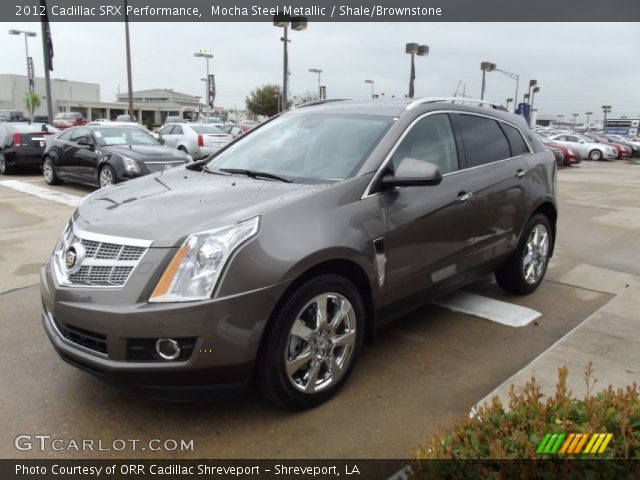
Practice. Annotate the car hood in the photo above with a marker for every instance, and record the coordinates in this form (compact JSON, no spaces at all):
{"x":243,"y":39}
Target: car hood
{"x":145,"y":153}
{"x":165,"y":207}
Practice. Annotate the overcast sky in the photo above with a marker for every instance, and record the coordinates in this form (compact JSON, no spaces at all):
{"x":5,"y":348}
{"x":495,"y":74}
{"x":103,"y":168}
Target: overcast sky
{"x":579,"y":66}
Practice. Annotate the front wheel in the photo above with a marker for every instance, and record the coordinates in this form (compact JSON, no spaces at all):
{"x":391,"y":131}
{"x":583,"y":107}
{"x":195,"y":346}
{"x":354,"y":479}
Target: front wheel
{"x":107,"y":177}
{"x":595,"y":155}
{"x":49,"y":172}
{"x":525,"y":269}
{"x":313,"y":344}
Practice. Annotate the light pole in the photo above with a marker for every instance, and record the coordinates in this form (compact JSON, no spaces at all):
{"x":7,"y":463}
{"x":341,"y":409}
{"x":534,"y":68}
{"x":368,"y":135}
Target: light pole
{"x":560,"y":117}
{"x":414,"y":49}
{"x":319,"y":72}
{"x":605,"y":109}
{"x":588,"y":114}
{"x":514,"y":77}
{"x":532,"y":83}
{"x":372,"y":84}
{"x":207,"y":56}
{"x":526,"y":98}
{"x":26,"y":49}
{"x":128,"y":49}
{"x":575,"y":117}
{"x":509,"y":100}
{"x":62,"y":81}
{"x":298,"y":24}
{"x":533,"y":93}
{"x":485,"y":67}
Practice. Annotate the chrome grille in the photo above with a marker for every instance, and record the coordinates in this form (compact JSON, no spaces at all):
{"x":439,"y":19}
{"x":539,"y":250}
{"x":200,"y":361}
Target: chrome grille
{"x":105,"y":263}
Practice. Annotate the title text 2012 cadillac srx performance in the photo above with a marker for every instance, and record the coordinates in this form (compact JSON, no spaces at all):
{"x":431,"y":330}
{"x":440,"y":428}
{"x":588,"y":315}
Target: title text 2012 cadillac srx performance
{"x":273,"y":260}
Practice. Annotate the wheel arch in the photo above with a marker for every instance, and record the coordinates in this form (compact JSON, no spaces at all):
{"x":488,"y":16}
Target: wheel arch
{"x":549,"y":210}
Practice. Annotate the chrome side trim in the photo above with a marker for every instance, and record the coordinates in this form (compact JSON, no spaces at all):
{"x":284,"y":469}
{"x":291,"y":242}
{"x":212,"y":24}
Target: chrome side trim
{"x":367,"y":193}
{"x":53,"y":325}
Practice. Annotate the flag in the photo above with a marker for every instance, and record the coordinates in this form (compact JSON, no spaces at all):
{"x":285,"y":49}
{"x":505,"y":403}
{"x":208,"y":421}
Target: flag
{"x":49,"y":41}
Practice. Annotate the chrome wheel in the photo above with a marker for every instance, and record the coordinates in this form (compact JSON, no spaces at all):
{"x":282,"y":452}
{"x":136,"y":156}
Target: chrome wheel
{"x":536,"y":254}
{"x":595,"y":155}
{"x":47,"y":171}
{"x":321,"y":343}
{"x":106,"y":177}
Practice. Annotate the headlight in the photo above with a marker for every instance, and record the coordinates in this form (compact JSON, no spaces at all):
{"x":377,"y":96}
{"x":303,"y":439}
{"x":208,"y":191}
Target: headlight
{"x":196,"y":267}
{"x":130,"y":165}
{"x":570,"y":152}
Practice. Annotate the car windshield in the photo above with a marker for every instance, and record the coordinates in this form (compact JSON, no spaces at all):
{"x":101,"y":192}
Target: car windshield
{"x":206,"y":129}
{"x":123,"y":136}
{"x":313,"y":147}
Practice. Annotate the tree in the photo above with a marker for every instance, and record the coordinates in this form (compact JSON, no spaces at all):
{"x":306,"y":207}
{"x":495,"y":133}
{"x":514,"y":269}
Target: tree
{"x":264,"y":100}
{"x":35,"y":102}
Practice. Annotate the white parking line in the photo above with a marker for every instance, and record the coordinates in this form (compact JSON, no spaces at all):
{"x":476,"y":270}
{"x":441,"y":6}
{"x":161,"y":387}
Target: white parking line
{"x":488,"y":308}
{"x":46,"y":193}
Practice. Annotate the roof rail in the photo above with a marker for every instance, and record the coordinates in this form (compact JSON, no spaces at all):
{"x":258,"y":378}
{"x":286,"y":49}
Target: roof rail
{"x":422,"y":101}
{"x":320,"y":102}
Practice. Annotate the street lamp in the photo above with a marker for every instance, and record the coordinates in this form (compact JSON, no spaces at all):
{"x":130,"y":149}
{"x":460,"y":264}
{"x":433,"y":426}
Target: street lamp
{"x":588,"y":114}
{"x":414,"y":49}
{"x":575,"y":117}
{"x":207,"y":55}
{"x":319,"y":72}
{"x":372,"y":84}
{"x":533,"y":93}
{"x":560,"y":117}
{"x":526,"y":98}
{"x":532,"y":83}
{"x":62,"y":81}
{"x":298,"y":24}
{"x":509,"y":100}
{"x":29,"y":68}
{"x":485,"y":67}
{"x":605,"y":109}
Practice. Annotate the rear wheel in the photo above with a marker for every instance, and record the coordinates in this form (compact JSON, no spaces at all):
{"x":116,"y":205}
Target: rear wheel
{"x":107,"y":177}
{"x":595,"y":154}
{"x":5,"y":169}
{"x":314,"y":343}
{"x":525,"y":269}
{"x":49,"y":172}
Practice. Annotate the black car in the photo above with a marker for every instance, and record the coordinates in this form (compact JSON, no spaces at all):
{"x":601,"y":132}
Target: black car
{"x":22,"y":144}
{"x":12,"y":116}
{"x":106,"y":155}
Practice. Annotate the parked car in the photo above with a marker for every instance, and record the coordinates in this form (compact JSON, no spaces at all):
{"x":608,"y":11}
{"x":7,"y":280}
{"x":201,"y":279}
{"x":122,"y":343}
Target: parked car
{"x":22,"y":144}
{"x":627,"y":141}
{"x":217,"y":121}
{"x":68,"y":119}
{"x":235,"y":130}
{"x":197,"y":139}
{"x":126,"y":119}
{"x":565,"y":156}
{"x":585,"y":146}
{"x":249,"y":123}
{"x":12,"y":116}
{"x":173,"y":119}
{"x":274,"y":263}
{"x":622,"y":150}
{"x":105,"y":155}
{"x":40,"y":119}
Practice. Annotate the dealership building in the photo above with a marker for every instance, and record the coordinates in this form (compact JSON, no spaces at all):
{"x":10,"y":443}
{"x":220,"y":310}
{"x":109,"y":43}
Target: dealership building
{"x":151,"y":106}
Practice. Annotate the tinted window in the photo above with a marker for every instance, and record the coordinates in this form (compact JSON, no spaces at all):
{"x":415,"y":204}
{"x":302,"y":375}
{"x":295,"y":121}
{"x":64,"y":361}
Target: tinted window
{"x":483,"y":140}
{"x":166,"y":130}
{"x":66,"y":135}
{"x":80,"y":133}
{"x":430,"y":140}
{"x":518,"y":145}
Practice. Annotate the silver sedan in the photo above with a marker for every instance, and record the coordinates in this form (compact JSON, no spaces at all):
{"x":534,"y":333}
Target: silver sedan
{"x":198,"y":140}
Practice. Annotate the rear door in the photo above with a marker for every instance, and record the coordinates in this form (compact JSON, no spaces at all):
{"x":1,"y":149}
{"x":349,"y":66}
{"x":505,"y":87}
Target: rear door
{"x":429,"y":228}
{"x":166,"y":134}
{"x":497,"y":197}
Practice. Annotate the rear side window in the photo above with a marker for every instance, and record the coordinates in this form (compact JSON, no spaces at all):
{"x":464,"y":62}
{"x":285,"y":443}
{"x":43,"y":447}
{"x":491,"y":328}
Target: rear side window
{"x":66,"y":135}
{"x":518,"y":145}
{"x":430,"y":140}
{"x":177,"y":130}
{"x":484,"y":141}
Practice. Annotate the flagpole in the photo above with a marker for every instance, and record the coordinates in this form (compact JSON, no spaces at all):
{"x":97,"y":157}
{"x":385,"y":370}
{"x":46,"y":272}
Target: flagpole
{"x":47,"y":47}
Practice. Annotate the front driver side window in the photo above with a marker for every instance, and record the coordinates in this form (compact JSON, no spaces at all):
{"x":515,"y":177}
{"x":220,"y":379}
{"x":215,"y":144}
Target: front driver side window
{"x":431,"y":140}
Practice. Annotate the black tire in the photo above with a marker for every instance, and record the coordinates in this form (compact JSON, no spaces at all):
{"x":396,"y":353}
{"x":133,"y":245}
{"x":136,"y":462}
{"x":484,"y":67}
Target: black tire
{"x":52,"y":178}
{"x":104,"y":171}
{"x":273,"y":380}
{"x":595,"y":155}
{"x":511,"y":275}
{"x":5,"y":169}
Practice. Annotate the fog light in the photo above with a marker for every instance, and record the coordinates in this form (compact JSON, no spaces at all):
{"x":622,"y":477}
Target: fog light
{"x":168,"y":348}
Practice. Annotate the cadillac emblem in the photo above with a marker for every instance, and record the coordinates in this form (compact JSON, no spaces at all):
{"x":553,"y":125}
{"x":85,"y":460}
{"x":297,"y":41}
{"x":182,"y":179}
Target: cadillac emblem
{"x":73,"y":257}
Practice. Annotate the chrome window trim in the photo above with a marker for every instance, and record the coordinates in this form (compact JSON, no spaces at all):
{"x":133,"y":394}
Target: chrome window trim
{"x":69,"y":343}
{"x":367,"y":193}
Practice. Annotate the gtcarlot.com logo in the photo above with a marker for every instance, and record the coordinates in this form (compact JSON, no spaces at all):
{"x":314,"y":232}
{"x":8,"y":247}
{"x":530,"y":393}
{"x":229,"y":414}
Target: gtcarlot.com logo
{"x":573,"y":443}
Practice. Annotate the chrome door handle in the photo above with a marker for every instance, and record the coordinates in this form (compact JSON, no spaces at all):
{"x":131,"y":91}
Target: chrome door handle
{"x":464,"y":196}
{"x":520,"y":173}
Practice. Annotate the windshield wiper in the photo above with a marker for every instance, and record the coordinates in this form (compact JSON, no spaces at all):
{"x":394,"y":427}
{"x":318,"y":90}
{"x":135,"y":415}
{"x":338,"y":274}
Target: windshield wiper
{"x":256,"y":174}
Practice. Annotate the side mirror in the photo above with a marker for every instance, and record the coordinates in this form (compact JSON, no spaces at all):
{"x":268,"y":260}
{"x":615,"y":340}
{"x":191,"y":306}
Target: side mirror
{"x":413,"y":173}
{"x":85,"y":142}
{"x":160,"y":139}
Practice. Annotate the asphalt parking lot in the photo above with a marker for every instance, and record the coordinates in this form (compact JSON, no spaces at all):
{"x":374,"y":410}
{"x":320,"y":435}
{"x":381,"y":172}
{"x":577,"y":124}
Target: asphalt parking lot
{"x":423,"y":371}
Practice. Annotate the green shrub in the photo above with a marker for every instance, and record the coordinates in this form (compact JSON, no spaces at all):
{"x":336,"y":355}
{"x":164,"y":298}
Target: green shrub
{"x":494,"y":432}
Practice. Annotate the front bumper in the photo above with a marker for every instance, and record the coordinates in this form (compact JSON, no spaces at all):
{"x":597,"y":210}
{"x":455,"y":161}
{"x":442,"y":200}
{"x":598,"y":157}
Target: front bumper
{"x":227,"y":336}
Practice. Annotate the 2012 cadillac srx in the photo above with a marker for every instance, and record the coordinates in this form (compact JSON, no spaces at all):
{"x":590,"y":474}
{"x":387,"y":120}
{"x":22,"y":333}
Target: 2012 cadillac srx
{"x":270,"y":262}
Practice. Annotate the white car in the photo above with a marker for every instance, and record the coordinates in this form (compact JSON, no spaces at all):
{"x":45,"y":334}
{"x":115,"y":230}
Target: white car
{"x":586,"y":147}
{"x":197,"y":139}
